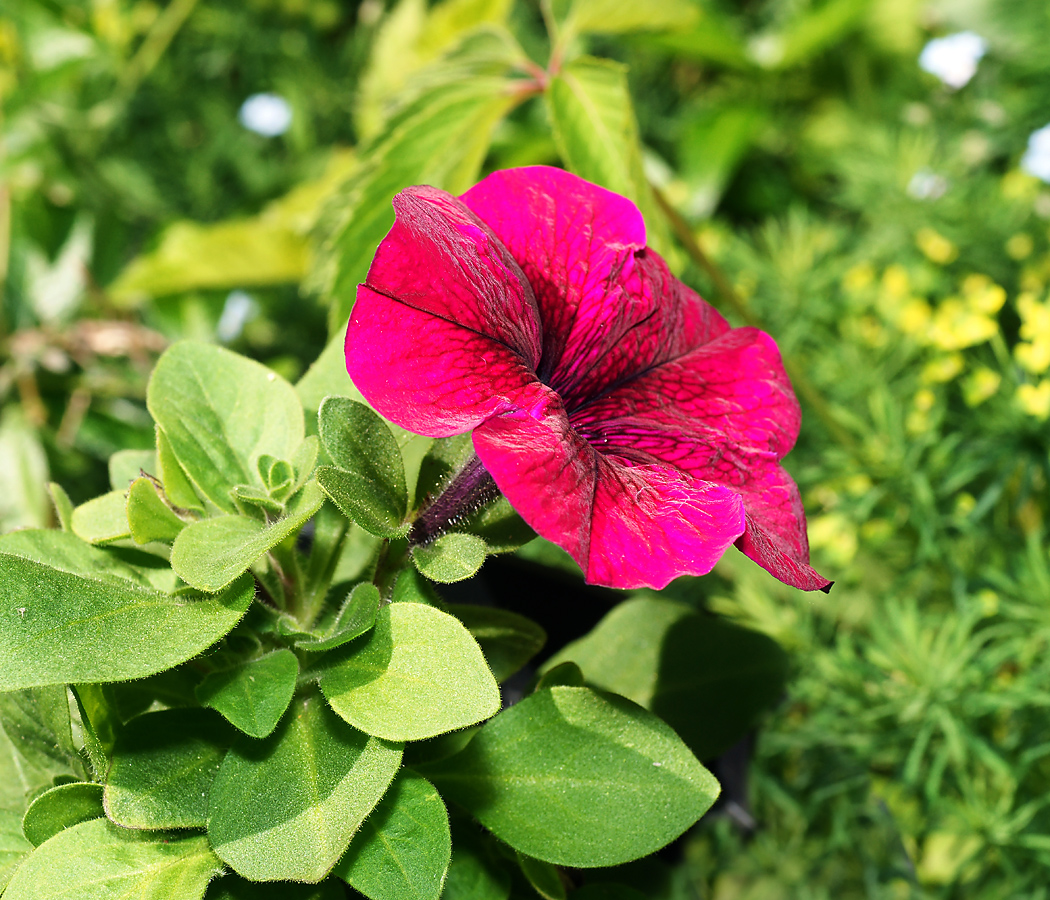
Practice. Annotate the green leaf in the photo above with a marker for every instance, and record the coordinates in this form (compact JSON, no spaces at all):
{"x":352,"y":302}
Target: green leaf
{"x":507,"y":639}
{"x":369,"y":481}
{"x":96,"y":860}
{"x":286,"y":807}
{"x":566,"y":673}
{"x":99,"y":720}
{"x":707,"y":678}
{"x":36,"y":744}
{"x":13,"y":845}
{"x":411,"y":587}
{"x":60,"y":808}
{"x":439,"y":136}
{"x":574,"y":17}
{"x":595,"y":129}
{"x":220,"y":412}
{"x":63,"y":506}
{"x":578,"y":778}
{"x":809,"y":34}
{"x":606,"y":891}
{"x":127,"y":465}
{"x":67,"y":553}
{"x":475,"y":873}
{"x":253,"y":696}
{"x":163,"y":766}
{"x":419,"y":674}
{"x":149,"y":517}
{"x":103,"y":519}
{"x":543,"y":877}
{"x":357,"y":616}
{"x":23,"y":473}
{"x":53,"y":624}
{"x":174,"y":478}
{"x":211,"y":553}
{"x":403,"y":849}
{"x":452,"y":557}
{"x":500,"y":526}
{"x":233,"y":887}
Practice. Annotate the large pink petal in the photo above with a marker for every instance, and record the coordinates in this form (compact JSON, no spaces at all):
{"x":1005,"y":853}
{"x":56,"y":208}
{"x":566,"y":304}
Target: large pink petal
{"x":428,"y":374}
{"x":627,"y":526}
{"x":610,"y":308}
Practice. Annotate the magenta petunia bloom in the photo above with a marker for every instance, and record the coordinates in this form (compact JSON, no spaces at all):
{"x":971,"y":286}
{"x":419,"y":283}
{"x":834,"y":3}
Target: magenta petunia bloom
{"x":617,"y":411}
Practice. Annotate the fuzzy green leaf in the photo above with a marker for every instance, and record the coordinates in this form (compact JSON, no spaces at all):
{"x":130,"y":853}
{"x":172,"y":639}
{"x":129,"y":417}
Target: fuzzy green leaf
{"x":220,"y":412}
{"x":543,"y":877}
{"x":127,"y":465}
{"x":149,"y":517}
{"x":452,"y":557}
{"x":253,"y":696}
{"x":403,"y":848}
{"x":211,"y":553}
{"x":507,"y":639}
{"x":60,"y":808}
{"x":356,"y":617}
{"x":233,"y":887}
{"x":578,"y":778}
{"x":103,"y":519}
{"x":163,"y":765}
{"x":105,"y":631}
{"x":96,"y":860}
{"x":37,"y":742}
{"x":286,"y":807}
{"x":419,"y":674}
{"x":13,"y":845}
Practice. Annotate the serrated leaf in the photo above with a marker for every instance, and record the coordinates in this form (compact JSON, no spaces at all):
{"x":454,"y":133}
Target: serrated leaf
{"x":452,"y":557}
{"x":60,"y":808}
{"x":403,"y":848}
{"x":356,"y":617}
{"x":13,"y":845}
{"x":286,"y":808}
{"x":96,"y":860}
{"x":578,"y":778}
{"x":102,"y":520}
{"x":142,"y":630}
{"x":707,"y":678}
{"x":253,"y":696}
{"x":211,"y":553}
{"x":507,"y":639}
{"x":149,"y":517}
{"x":439,"y":137}
{"x":592,"y":115}
{"x":219,"y":413}
{"x":163,"y":765}
{"x":419,"y":674}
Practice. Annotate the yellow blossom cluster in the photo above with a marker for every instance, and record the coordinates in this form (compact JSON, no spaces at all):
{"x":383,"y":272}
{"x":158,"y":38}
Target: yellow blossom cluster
{"x":1032,"y":353}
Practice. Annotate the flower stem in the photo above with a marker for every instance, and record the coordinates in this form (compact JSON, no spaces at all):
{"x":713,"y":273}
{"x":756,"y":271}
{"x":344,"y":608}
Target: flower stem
{"x":469,"y":490}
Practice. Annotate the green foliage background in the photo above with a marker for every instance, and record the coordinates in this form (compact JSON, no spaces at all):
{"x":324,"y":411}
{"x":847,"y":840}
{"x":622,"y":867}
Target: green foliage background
{"x":911,"y":755}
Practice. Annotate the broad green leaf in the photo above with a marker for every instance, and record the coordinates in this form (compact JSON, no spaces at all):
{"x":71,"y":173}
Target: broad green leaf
{"x":176,"y":482}
{"x":595,"y":129}
{"x":100,"y":720}
{"x":286,"y":808}
{"x":97,"y":860}
{"x":149,"y":517}
{"x":578,"y":778}
{"x":403,"y":848}
{"x":507,"y":639}
{"x":439,"y":136}
{"x":372,"y":488}
{"x":707,"y":678}
{"x":452,"y":557}
{"x":60,"y":628}
{"x":23,"y":473}
{"x":714,"y":38}
{"x":543,"y":877}
{"x":63,"y":506}
{"x":220,"y":412}
{"x":211,"y":553}
{"x":253,"y":696}
{"x":419,"y":674}
{"x":356,"y":617}
{"x":36,"y":743}
{"x":566,"y":673}
{"x":233,"y":887}
{"x":127,"y":465}
{"x":475,"y":872}
{"x":13,"y":845}
{"x":574,"y":17}
{"x":500,"y":526}
{"x":60,"y":808}
{"x":67,"y":553}
{"x":163,"y":765}
{"x":411,"y":587}
{"x":103,"y":519}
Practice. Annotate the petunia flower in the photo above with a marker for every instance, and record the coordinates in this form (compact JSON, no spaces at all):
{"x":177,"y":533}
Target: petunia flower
{"x":615,"y":409}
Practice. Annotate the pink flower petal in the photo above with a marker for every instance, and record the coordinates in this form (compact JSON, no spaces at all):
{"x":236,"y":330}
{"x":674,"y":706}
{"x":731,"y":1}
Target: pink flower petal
{"x":627,"y":526}
{"x":610,"y":308}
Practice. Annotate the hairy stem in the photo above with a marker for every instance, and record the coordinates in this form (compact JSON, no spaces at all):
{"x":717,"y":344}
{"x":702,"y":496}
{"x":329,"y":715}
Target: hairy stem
{"x":469,"y":490}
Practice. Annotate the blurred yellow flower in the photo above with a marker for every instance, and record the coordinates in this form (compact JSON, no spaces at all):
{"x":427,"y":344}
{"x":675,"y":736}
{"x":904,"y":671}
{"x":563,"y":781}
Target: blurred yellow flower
{"x":943,"y":368}
{"x":982,"y":294}
{"x":1033,"y":351}
{"x":1034,"y":399}
{"x":936,"y":247}
{"x":955,"y":326}
{"x":979,"y":385}
{"x":858,"y":277}
{"x":895,"y":282}
{"x":1018,"y":185}
{"x":1034,"y":357}
{"x":914,"y":317}
{"x":1020,"y":246}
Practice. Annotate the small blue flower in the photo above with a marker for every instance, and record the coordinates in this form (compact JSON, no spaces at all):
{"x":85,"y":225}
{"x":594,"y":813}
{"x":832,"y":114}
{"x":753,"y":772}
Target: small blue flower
{"x":266,"y":114}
